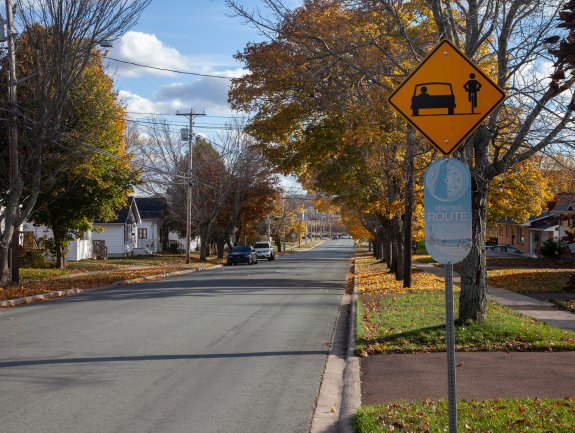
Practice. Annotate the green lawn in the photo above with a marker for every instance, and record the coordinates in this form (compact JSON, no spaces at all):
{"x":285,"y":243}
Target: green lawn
{"x":416,"y":323}
{"x":495,"y":416}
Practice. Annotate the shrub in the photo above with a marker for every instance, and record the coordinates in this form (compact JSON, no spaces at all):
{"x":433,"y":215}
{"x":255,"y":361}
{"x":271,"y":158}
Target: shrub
{"x":32,"y":258}
{"x":552,"y":248}
{"x":491,"y":240}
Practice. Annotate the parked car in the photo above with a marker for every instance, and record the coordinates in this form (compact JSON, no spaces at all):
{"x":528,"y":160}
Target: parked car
{"x":345,"y":237}
{"x":265,"y":250}
{"x":506,"y":251}
{"x":335,"y":237}
{"x":242,"y":255}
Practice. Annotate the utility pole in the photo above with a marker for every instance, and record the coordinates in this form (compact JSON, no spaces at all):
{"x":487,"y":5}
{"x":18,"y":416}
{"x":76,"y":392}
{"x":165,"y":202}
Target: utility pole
{"x":304,"y":227}
{"x":268,"y":223}
{"x":283,"y":222}
{"x":299,"y":232}
{"x":13,"y":142}
{"x":190,"y":169}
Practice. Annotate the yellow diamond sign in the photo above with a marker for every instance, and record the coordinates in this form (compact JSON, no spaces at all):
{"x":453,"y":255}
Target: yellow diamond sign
{"x":446,"y":97}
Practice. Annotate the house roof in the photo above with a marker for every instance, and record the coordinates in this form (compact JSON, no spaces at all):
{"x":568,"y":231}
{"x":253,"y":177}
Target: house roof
{"x":544,"y":227}
{"x":150,"y":208}
{"x":122,"y":214}
{"x":532,"y":218}
{"x":565,"y":202}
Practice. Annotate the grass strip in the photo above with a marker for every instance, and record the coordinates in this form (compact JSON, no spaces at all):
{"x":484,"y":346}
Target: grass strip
{"x":567,"y":304}
{"x":486,"y":416}
{"x":528,"y":280}
{"x":415,"y":324}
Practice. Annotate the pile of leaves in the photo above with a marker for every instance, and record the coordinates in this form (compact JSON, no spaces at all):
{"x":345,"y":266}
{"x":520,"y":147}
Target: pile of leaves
{"x":373,"y":277}
{"x":415,"y":324}
{"x":90,"y":281}
{"x":528,"y":280}
{"x":485,"y":416}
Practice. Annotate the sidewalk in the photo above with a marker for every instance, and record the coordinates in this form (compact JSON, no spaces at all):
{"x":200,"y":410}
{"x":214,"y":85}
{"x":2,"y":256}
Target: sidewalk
{"x":528,"y":306}
{"x":480,"y":375}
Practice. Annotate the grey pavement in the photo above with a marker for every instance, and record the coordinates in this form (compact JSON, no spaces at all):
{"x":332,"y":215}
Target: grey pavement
{"x":526,"y":305}
{"x":238,"y":349}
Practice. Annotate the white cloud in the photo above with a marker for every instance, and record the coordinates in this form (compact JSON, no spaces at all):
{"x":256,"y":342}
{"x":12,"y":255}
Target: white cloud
{"x":146,"y":49}
{"x":206,"y":94}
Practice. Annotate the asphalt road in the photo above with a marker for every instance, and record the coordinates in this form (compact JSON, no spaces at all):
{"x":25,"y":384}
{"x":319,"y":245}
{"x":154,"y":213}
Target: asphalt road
{"x":235,"y":350}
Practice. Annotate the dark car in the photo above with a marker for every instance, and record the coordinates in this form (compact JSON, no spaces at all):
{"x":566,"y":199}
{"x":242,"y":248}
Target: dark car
{"x":506,"y":251}
{"x":335,"y":237}
{"x":242,"y":255}
{"x":432,"y":95}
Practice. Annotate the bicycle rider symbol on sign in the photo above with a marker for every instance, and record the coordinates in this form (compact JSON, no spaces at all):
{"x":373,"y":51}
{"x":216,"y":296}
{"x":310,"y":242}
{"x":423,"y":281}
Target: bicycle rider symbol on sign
{"x":472,"y":87}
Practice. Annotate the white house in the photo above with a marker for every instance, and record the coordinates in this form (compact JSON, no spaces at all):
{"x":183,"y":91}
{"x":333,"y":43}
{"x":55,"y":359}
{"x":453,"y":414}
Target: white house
{"x":151,"y":234}
{"x":79,"y":249}
{"x":120,"y":235}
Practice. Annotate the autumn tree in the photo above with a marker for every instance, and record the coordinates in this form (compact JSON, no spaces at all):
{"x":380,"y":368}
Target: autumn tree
{"x":60,"y":36}
{"x":505,"y":38}
{"x":95,"y":184}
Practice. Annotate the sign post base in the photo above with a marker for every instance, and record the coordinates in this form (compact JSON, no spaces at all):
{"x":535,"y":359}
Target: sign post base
{"x":450,"y":347}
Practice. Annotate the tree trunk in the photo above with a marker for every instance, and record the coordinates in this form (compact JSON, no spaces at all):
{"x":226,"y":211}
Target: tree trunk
{"x":397,"y":226}
{"x":220,"y":244}
{"x":408,"y":217}
{"x":387,"y":248}
{"x":60,"y":249}
{"x":4,"y":254}
{"x":204,"y":242}
{"x":278,"y":241}
{"x":472,"y":301}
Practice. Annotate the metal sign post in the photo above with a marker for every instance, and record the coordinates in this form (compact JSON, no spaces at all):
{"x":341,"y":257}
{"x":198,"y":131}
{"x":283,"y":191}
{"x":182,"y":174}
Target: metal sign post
{"x":450,"y":347}
{"x":447,"y":204}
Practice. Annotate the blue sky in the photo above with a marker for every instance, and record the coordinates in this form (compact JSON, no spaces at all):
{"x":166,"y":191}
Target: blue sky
{"x":195,"y":36}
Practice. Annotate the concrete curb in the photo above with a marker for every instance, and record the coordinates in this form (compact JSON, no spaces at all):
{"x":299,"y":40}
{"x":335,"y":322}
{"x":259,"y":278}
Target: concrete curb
{"x":351,"y":395}
{"x":42,"y":296}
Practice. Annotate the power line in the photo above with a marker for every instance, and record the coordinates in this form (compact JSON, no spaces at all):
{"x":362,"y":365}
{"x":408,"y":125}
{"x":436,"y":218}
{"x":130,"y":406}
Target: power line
{"x":172,"y":70}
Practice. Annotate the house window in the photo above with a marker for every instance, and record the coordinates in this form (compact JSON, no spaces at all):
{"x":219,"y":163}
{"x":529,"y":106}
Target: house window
{"x":521,"y":235}
{"x":564,"y":223}
{"x":142,"y":233}
{"x":500,"y":229}
{"x":507,"y":230}
{"x":127,"y":233}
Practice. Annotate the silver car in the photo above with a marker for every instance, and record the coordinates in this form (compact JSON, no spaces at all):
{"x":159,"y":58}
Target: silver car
{"x":507,"y":251}
{"x":265,"y":250}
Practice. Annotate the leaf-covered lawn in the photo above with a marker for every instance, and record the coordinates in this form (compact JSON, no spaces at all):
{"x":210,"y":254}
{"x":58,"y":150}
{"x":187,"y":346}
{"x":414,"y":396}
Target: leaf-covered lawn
{"x":411,"y":324}
{"x":518,"y":262}
{"x":373,"y":277}
{"x":89,"y":281}
{"x":486,"y":416}
{"x":162,"y":259}
{"x":528,"y":280}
